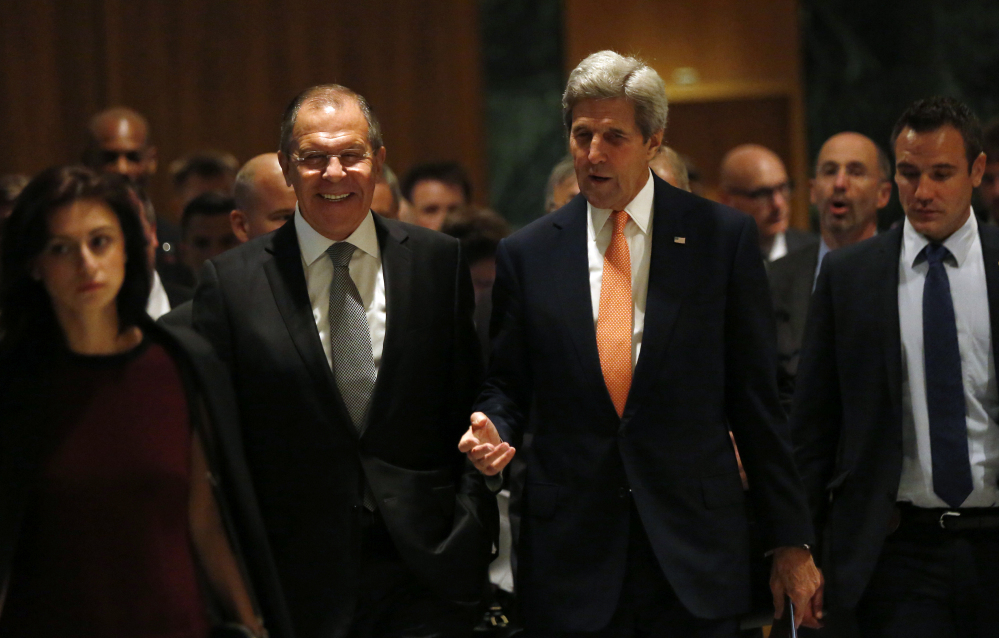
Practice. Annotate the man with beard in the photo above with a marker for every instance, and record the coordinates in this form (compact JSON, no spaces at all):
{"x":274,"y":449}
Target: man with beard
{"x":851,"y":184}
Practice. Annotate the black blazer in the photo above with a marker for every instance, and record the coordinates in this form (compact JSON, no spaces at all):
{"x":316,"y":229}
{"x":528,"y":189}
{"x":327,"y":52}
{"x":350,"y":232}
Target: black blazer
{"x":707,"y":360}
{"x":798,"y":239}
{"x":847,"y":415}
{"x":303,"y":451}
{"x":25,"y":397}
{"x":791,"y":281}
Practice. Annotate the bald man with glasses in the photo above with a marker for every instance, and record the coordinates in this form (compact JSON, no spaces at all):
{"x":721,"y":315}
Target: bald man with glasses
{"x":753,"y":179}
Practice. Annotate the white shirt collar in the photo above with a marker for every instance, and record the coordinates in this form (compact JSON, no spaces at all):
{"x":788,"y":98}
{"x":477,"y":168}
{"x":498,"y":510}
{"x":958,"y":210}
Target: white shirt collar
{"x":959,"y":243}
{"x":313,"y":245}
{"x":639,"y":209}
{"x":158,"y":303}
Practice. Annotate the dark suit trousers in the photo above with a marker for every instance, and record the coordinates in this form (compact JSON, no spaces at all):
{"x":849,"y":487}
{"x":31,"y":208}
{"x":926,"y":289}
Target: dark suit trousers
{"x":648,"y":606}
{"x":392,"y":603}
{"x":931,"y":582}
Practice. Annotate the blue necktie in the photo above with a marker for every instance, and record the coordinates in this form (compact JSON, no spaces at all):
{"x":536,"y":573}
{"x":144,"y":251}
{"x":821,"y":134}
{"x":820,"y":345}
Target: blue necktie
{"x":944,"y":384}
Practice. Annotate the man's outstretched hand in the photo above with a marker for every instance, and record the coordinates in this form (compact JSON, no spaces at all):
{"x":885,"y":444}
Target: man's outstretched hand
{"x":795,"y":574}
{"x":484,"y":447}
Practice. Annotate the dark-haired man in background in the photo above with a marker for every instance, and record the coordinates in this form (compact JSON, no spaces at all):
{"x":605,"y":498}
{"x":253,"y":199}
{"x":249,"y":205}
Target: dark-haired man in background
{"x":206,"y":171}
{"x":205,"y":229}
{"x":988,"y":192}
{"x":896,"y":405}
{"x":434,"y":190}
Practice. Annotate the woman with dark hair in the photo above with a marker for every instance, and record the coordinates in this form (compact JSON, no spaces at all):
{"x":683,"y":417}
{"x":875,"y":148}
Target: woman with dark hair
{"x":122,"y":484}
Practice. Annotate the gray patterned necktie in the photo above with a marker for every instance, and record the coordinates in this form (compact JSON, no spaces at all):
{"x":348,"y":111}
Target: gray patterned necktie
{"x":350,"y":340}
{"x":350,"y":346}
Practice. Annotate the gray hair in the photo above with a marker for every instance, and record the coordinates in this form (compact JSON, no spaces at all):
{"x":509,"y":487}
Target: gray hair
{"x":332,"y":95}
{"x":562,"y":171}
{"x":608,"y":74}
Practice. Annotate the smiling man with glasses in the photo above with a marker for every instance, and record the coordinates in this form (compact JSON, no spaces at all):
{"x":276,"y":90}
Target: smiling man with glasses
{"x":355,"y":363}
{"x":754,"y":180}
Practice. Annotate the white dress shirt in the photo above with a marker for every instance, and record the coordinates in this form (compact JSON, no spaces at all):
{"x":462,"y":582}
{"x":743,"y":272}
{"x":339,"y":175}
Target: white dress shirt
{"x":158,"y":303}
{"x":966,"y":273}
{"x":365,"y":269}
{"x":777,"y":249}
{"x":638,"y":235}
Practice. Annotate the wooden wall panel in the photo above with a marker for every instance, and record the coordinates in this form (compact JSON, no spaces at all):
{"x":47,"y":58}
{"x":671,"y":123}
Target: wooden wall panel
{"x":746,"y":55}
{"x":218,"y":74}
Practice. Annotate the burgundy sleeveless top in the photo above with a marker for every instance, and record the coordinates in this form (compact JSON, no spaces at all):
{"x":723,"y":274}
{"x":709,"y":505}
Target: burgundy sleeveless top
{"x":104,"y":548}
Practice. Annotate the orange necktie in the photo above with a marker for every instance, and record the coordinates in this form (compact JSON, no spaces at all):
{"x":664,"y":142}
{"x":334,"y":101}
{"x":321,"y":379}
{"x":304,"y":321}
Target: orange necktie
{"x":614,"y":316}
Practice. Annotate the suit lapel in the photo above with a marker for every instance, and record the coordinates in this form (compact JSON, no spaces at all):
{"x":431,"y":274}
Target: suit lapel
{"x":570,"y":278}
{"x":397,"y":268}
{"x":287,"y":281}
{"x":989,"y":236}
{"x":669,"y":269}
{"x":890,"y":252}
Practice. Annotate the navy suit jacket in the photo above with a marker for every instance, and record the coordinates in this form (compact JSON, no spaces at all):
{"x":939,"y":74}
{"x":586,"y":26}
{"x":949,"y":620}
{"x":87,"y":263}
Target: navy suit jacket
{"x":707,"y":360}
{"x":791,"y":281}
{"x":847,"y":414}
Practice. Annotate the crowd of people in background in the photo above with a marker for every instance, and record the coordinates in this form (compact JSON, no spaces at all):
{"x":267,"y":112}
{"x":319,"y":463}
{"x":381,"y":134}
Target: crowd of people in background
{"x":308,"y":343}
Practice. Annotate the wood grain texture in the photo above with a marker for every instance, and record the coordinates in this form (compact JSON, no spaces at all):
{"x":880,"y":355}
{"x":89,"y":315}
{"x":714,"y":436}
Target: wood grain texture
{"x":219,"y":73}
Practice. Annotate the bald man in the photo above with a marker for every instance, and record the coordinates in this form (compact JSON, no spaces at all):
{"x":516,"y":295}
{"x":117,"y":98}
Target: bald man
{"x":668,"y":165}
{"x":264,"y":201}
{"x":118,"y":142}
{"x":754,"y":180}
{"x":852,"y":182}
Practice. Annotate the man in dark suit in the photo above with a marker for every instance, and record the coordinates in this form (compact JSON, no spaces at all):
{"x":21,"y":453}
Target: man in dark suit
{"x":631,"y":328}
{"x":895,"y":411}
{"x":753,"y":179}
{"x":852,"y":182}
{"x":355,"y":364}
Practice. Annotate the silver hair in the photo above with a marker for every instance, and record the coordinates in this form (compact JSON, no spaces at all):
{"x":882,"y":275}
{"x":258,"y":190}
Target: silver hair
{"x":608,"y":74}
{"x":332,"y":95}
{"x":562,"y":171}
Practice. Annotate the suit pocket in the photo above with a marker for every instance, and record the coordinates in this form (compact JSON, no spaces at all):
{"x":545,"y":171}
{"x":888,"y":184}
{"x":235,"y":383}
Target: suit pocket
{"x":542,"y":499}
{"x":723,"y":490}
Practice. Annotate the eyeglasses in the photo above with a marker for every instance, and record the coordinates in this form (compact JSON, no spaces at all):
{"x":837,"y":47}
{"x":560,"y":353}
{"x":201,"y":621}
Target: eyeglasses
{"x":316,"y":161}
{"x":765,"y":193}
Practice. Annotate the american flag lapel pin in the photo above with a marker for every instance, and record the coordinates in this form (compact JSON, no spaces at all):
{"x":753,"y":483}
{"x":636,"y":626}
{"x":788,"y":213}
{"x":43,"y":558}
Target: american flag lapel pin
{"x":679,"y":240}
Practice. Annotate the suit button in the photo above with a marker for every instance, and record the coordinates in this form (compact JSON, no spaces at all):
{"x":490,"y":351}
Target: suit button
{"x":623,"y":492}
